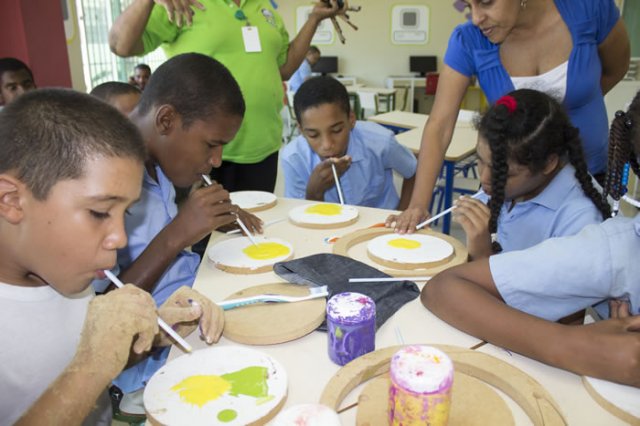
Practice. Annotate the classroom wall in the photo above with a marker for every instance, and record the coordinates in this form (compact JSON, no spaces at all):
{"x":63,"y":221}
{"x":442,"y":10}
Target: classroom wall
{"x":368,"y":53}
{"x":33,"y":32}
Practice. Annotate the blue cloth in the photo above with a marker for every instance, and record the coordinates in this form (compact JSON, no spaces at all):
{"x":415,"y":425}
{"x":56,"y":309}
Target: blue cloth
{"x":561,"y":209}
{"x":589,"y":22}
{"x":302,"y":73}
{"x":368,"y":182}
{"x":564,"y":275}
{"x":146,"y":218}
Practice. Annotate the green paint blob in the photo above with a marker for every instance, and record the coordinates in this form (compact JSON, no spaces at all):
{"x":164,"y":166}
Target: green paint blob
{"x":227,"y":415}
{"x":250,"y":381}
{"x":338,"y":333}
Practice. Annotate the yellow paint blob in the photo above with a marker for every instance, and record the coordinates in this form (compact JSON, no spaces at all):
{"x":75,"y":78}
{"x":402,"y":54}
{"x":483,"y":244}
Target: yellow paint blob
{"x":199,"y":390}
{"x":324,"y":209}
{"x":404,"y":243}
{"x":265,"y":251}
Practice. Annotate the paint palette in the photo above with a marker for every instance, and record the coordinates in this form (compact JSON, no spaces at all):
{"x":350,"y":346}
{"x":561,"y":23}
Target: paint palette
{"x":410,"y":251}
{"x":253,"y":201}
{"x":323,"y":215}
{"x":240,"y":256}
{"x":217,"y":386}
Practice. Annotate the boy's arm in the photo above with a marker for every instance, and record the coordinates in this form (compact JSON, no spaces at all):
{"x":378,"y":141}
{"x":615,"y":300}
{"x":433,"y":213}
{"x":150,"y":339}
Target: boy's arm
{"x":206,"y":209}
{"x":405,"y":193}
{"x":467,"y":298}
{"x":122,"y":320}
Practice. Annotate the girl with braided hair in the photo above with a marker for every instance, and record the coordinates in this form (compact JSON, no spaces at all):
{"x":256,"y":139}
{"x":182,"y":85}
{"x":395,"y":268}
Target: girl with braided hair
{"x":516,"y":296}
{"x":533,"y":169}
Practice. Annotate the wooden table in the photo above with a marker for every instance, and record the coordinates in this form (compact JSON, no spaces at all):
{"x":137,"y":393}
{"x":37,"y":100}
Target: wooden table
{"x":306,"y":359}
{"x":463,"y":145}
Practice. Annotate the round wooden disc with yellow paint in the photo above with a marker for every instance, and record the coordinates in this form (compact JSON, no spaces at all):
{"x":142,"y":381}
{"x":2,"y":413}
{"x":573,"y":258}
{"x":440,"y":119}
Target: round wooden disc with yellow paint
{"x":271,"y":323}
{"x":239,"y":256}
{"x":473,"y":403}
{"x":459,"y":256}
{"x":323,"y":215}
{"x":523,"y":389}
{"x":220,"y":385}
{"x":253,"y":201}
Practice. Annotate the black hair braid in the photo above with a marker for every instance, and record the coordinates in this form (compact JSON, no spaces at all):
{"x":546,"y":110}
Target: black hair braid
{"x":620,"y":152}
{"x":499,"y":169}
{"x":577,"y":160}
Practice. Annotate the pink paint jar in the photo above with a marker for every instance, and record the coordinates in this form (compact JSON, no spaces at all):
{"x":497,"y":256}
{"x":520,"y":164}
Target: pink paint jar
{"x":420,"y":391}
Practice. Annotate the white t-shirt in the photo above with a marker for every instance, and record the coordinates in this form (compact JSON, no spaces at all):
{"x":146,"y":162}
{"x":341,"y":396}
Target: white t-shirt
{"x":552,"y":82}
{"x":40,"y":334}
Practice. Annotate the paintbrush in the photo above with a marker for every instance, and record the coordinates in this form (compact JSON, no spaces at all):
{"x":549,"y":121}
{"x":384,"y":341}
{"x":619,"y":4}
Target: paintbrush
{"x":336,"y":26}
{"x":338,"y":187}
{"x":208,"y":182}
{"x":446,"y":212}
{"x":163,"y":325}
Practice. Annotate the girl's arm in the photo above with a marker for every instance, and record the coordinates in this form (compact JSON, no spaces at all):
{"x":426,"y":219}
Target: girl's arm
{"x":436,"y":138}
{"x":467,"y":298}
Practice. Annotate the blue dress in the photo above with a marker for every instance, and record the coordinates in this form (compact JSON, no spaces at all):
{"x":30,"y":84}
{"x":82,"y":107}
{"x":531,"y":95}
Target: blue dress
{"x":589,"y":22}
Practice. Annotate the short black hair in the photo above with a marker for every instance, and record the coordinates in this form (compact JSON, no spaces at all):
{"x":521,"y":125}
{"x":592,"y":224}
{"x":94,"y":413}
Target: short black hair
{"x":13,"y":64}
{"x":196,"y":85}
{"x":143,"y":67}
{"x":47,"y":135}
{"x":320,"y":90}
{"x":106,"y":91}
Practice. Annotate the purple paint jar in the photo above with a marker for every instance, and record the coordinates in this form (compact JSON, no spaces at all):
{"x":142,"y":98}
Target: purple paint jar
{"x":351,"y":323}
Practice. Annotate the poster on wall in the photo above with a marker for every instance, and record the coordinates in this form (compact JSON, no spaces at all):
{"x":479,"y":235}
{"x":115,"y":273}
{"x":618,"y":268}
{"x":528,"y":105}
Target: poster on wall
{"x":409,"y":24}
{"x":324,"y":34}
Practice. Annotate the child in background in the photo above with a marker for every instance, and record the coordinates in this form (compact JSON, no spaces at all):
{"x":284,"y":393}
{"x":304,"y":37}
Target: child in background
{"x":141,"y":76}
{"x":15,"y":79}
{"x":303,"y":73}
{"x":516,"y":295}
{"x":122,"y":96}
{"x":71,"y":165}
{"x":190,"y":109}
{"x":534,"y":175}
{"x":365,"y":154}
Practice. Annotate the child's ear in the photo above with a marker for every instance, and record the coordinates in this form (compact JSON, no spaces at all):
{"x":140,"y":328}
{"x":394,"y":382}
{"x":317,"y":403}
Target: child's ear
{"x":552,"y":164}
{"x":165,"y":119}
{"x":10,"y":197}
{"x":352,"y":119}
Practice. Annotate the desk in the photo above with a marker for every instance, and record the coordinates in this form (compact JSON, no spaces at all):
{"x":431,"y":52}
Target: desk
{"x":463,"y":144}
{"x":306,"y":360}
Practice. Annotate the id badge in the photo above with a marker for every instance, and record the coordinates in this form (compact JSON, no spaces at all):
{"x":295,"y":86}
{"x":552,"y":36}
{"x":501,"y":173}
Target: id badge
{"x":251,"y":39}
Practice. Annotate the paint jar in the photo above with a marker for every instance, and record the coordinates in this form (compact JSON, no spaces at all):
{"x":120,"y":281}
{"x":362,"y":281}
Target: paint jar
{"x":420,"y":390}
{"x":308,"y":415}
{"x":351,"y":324}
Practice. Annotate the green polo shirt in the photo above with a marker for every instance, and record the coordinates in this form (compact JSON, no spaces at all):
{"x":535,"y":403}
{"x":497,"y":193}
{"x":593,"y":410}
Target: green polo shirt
{"x":217,"y":32}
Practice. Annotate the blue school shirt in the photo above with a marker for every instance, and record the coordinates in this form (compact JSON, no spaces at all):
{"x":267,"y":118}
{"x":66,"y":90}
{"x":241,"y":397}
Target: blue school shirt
{"x":368,"y":182}
{"x":563,"y":275}
{"x":299,"y":77}
{"x":146,"y":218}
{"x":589,"y":22}
{"x":562,"y":208}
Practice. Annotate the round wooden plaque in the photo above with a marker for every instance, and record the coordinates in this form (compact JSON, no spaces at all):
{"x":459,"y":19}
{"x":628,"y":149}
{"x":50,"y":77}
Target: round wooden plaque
{"x":227,"y":255}
{"x":272,"y":323}
{"x":298,"y":217}
{"x":223,"y":385}
{"x":536,"y":402}
{"x":473,"y":403}
{"x":620,"y":400}
{"x":460,"y":253}
{"x":253,"y":201}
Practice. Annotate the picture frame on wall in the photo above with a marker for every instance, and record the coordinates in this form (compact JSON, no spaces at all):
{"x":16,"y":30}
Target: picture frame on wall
{"x":409,"y":24}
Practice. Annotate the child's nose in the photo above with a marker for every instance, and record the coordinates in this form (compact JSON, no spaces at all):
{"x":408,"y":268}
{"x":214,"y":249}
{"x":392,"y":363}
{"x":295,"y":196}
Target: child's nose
{"x":117,"y":238}
{"x":216,"y":157}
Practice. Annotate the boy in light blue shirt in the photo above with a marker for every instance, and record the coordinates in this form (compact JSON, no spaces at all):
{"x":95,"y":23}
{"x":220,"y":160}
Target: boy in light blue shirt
{"x":364,"y":154}
{"x":303,"y":73}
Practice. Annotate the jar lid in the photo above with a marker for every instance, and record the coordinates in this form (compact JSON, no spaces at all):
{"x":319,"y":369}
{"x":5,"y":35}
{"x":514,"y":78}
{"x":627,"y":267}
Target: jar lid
{"x":421,"y":369}
{"x":351,"y":308}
